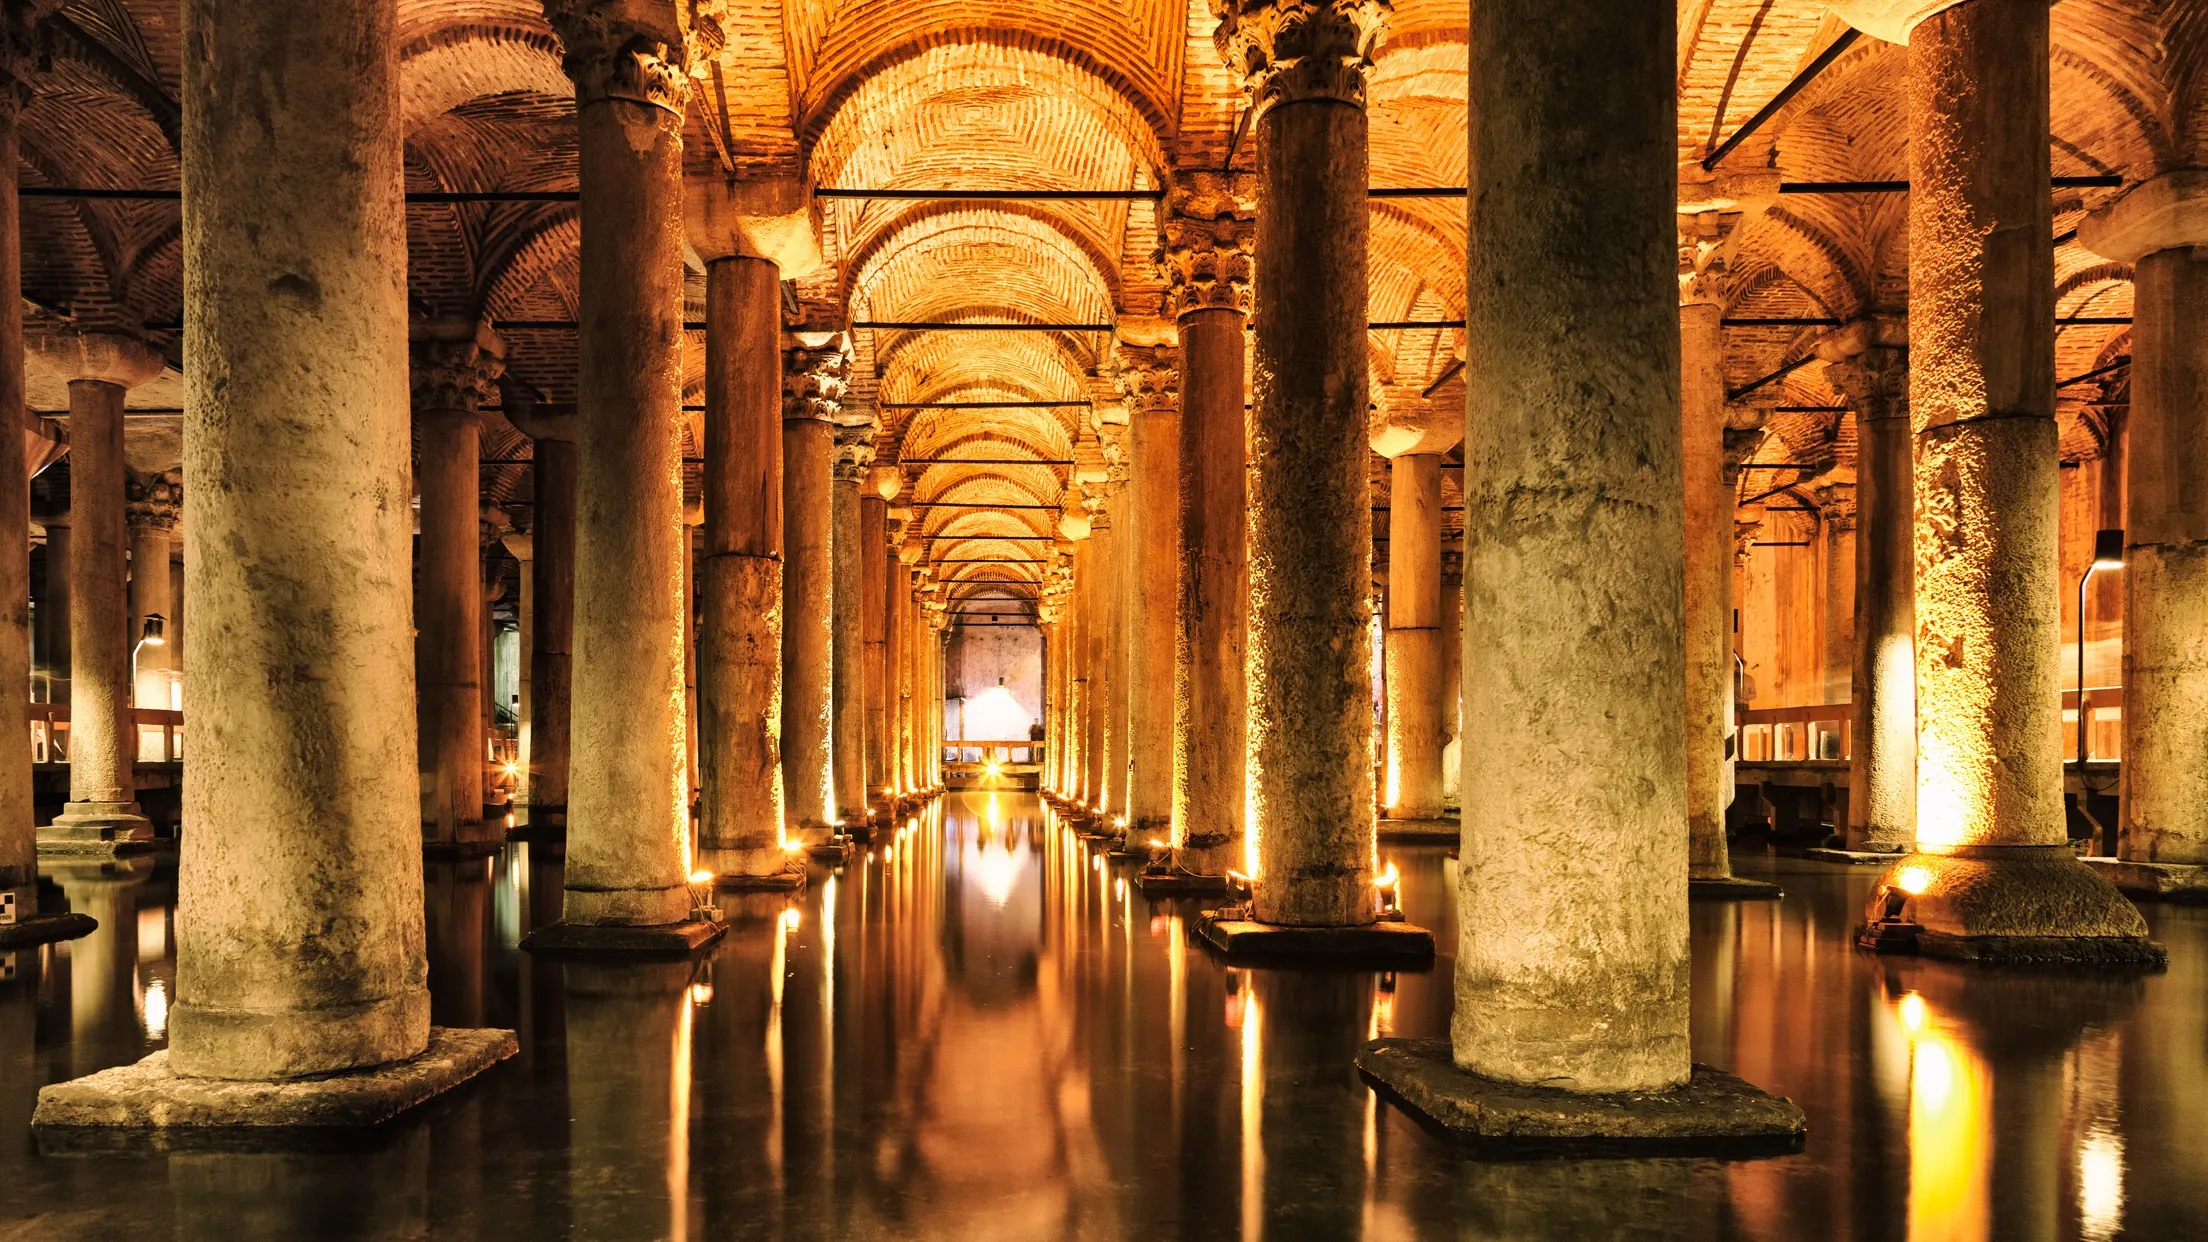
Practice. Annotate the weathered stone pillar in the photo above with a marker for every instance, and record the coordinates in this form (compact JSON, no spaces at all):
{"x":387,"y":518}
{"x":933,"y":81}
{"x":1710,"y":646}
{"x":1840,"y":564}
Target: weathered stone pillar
{"x":1102,"y":546}
{"x":2158,"y":228}
{"x":1413,"y":782}
{"x":627,"y":826}
{"x":53,"y":611}
{"x":874,"y":558}
{"x":102,"y":808}
{"x":519,"y":545}
{"x":814,"y":367}
{"x":1208,"y":238}
{"x":1153,"y":572}
{"x":1882,"y":686}
{"x":552,"y":608}
{"x":456,"y":367}
{"x":1836,"y":523}
{"x":854,"y":455}
{"x":299,"y":952}
{"x":152,"y":515}
{"x":1452,"y":656}
{"x":1574,"y":632}
{"x":1310,"y":518}
{"x":1118,"y":690}
{"x":1994,"y":877}
{"x":900,"y":667}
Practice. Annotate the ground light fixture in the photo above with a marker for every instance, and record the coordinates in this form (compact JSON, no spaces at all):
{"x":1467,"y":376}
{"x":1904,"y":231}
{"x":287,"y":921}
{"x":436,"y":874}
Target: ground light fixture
{"x":153,"y":634}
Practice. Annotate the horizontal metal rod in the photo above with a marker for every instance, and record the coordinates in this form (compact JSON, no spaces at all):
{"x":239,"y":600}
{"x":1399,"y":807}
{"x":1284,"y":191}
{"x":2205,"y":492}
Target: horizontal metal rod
{"x":1015,"y":196}
{"x":2095,"y":373}
{"x":978,"y":461}
{"x":93,"y":194}
{"x":566,"y":325}
{"x":2105,"y":321}
{"x":1902,"y":187}
{"x":1397,"y":324}
{"x":937,"y":325}
{"x":1783,"y":465}
{"x":1781,"y":543}
{"x":1779,"y":374}
{"x":989,"y":560}
{"x":1441,"y":191}
{"x":1809,"y":409}
{"x":982,"y":405}
{"x":960,"y":504}
{"x":1001,"y":538}
{"x":1780,"y":322}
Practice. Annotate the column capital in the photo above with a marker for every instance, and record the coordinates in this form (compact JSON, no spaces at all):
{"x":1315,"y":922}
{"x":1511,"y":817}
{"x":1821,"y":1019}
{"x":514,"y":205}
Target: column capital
{"x":772,"y":218}
{"x":1868,"y":361}
{"x":1405,"y":421}
{"x":492,"y":525}
{"x":1741,"y":444}
{"x":1744,"y":536}
{"x":1206,"y":237}
{"x":456,"y":367}
{"x":1452,"y":565}
{"x":1150,"y":378}
{"x":2169,"y":212}
{"x":24,"y":47}
{"x":153,"y":501}
{"x":1836,"y":506}
{"x":1712,"y":210}
{"x":1290,"y":51}
{"x":642,"y":51}
{"x":102,"y":357}
{"x":816,"y":372}
{"x":854,"y":460}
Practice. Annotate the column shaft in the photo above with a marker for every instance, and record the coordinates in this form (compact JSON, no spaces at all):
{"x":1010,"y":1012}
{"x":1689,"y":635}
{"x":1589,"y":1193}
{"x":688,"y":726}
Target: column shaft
{"x":1153,"y":620}
{"x":1096,"y":637}
{"x":626,"y":822}
{"x":1882,"y":689}
{"x":874,"y":561}
{"x":1119,"y":667}
{"x":151,"y":594}
{"x":1210,"y":766}
{"x":1572,"y":966}
{"x":2165,"y":772}
{"x":1310,"y":713}
{"x":448,"y":620}
{"x":18,"y":838}
{"x":740,"y":691}
{"x":299,"y":918}
{"x":53,"y":612}
{"x":102,"y":739}
{"x":808,"y":619}
{"x":1415,"y":736}
{"x":1708,"y":570}
{"x":551,"y":643}
{"x":848,"y":741}
{"x":1837,"y":526}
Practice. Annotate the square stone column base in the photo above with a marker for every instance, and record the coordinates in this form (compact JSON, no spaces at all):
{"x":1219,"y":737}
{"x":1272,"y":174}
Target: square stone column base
{"x":1169,"y":883}
{"x":1385,"y":944}
{"x":1713,"y":1114}
{"x":659,"y":940}
{"x":97,"y":828}
{"x":790,"y":879}
{"x":1421,"y":831}
{"x":147,"y":1096}
{"x":45,"y":929}
{"x":2180,"y":882}
{"x":1731,"y":888}
{"x":835,"y":851}
{"x":1852,"y":858}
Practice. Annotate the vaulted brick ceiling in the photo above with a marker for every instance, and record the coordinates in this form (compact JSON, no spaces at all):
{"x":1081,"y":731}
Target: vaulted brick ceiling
{"x":1069,"y":94}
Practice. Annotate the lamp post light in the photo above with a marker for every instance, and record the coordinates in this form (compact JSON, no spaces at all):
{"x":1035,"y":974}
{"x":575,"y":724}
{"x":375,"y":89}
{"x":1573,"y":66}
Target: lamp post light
{"x":151,"y":636}
{"x":2108,"y":553}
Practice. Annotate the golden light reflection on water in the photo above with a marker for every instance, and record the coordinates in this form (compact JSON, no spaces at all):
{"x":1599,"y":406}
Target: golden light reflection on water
{"x":1950,"y":1130}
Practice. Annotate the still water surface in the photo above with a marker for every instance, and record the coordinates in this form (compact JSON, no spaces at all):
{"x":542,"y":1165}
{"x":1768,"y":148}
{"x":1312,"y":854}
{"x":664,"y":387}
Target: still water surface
{"x":979,"y":1030}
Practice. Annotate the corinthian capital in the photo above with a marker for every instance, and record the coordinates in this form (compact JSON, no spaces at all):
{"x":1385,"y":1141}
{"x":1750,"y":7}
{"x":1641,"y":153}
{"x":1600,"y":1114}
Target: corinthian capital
{"x":23,"y":47}
{"x":854,"y":453}
{"x":1208,"y":233}
{"x":642,"y":51}
{"x":1875,"y":382}
{"x":153,"y":501}
{"x":1288,"y":51}
{"x":1150,"y":379}
{"x":816,"y":372}
{"x":456,"y":372}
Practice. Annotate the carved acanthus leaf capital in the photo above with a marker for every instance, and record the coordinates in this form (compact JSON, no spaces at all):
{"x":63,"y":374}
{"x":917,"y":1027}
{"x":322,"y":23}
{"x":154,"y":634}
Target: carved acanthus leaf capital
{"x":816,"y":372}
{"x":1150,"y":378}
{"x":153,"y":501}
{"x":1836,"y":506}
{"x":642,"y":51}
{"x":456,"y":375}
{"x":1741,"y":444}
{"x":1208,"y":235}
{"x":1874,"y":382}
{"x":854,"y":453}
{"x":1289,"y":51}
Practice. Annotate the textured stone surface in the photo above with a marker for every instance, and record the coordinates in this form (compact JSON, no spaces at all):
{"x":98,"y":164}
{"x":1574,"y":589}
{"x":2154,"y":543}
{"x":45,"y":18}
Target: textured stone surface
{"x":18,"y":839}
{"x":1411,"y":785}
{"x":1712,"y":1113}
{"x":150,"y":1095}
{"x":1708,"y":569}
{"x":1242,"y":938}
{"x":2016,"y":904}
{"x":45,"y":929}
{"x":2185,"y":882}
{"x":808,"y":614}
{"x":1152,"y":587}
{"x":102,"y":743}
{"x":596,"y":939}
{"x":1572,"y":964}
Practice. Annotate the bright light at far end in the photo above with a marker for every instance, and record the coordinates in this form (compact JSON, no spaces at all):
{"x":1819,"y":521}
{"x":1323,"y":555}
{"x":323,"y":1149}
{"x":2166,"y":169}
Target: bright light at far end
{"x":791,"y":918}
{"x":1911,"y":1012}
{"x":1913,"y":880}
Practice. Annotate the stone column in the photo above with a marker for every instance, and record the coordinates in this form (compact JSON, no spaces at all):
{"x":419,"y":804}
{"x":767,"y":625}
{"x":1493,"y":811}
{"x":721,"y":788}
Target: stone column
{"x":552,"y":609}
{"x":2158,"y":228}
{"x":1206,"y":257}
{"x":1452,"y":651}
{"x":102,"y":807}
{"x":519,"y":545}
{"x":854,"y":454}
{"x":456,"y":367}
{"x":813,"y":377}
{"x":627,"y":826}
{"x":1413,"y":782}
{"x":900,"y":670}
{"x":1096,"y":638}
{"x":299,"y":950}
{"x":1836,"y":522}
{"x":1882,"y":686}
{"x":53,"y":611}
{"x":1994,"y":876}
{"x":1118,"y":692}
{"x":874,"y":557}
{"x":1310,"y":517}
{"x":152,"y":515}
{"x":1573,"y":974}
{"x":1154,"y":415}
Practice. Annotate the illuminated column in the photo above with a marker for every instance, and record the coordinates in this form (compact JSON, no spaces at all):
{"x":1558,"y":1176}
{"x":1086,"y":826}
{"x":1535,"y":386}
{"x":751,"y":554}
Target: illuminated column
{"x":874,"y":557}
{"x":1413,"y":643}
{"x":1208,"y":238}
{"x":854,"y":454}
{"x":1310,"y":517}
{"x":1994,"y":878}
{"x":1573,"y":976}
{"x":456,"y":367}
{"x":1153,"y":502}
{"x":102,"y":808}
{"x":1452,"y":646}
{"x":1873,"y":374}
{"x":1118,"y":666}
{"x":815,"y":365}
{"x":519,"y":546}
{"x":155,"y":501}
{"x":900,"y":667}
{"x":2156,"y":227}
{"x":1095,"y":587}
{"x":552,"y":605}
{"x":1836,"y":521}
{"x":627,"y":825}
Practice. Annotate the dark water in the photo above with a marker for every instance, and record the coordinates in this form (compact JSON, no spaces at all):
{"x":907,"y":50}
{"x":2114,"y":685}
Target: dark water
{"x":976,"y":1032}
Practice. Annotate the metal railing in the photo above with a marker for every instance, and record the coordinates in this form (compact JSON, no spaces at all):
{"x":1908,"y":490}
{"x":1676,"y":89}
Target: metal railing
{"x":160,"y":733}
{"x":1824,"y":731}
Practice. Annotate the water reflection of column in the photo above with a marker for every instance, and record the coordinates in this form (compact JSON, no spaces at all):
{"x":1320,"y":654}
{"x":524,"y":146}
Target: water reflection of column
{"x":458,"y":926}
{"x":305,"y":1195}
{"x":628,"y":1088}
{"x":1302,"y":1025}
{"x":102,"y":965}
{"x":1566,"y":1200}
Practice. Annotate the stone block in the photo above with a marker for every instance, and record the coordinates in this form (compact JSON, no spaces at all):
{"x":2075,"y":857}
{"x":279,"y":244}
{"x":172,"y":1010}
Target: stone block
{"x":1234,"y":934}
{"x":1712,"y":1114}
{"x":2007,"y":905}
{"x":1851,"y":858}
{"x":146,"y":1095}
{"x":2180,"y":882}
{"x":1447,"y":831}
{"x":1179,"y":883}
{"x":565,"y":939}
{"x":1731,"y":888}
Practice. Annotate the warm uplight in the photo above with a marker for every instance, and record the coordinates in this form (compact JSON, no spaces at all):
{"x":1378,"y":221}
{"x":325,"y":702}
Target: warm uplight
{"x":511,"y":769}
{"x":791,"y":918}
{"x":1389,"y":877}
{"x":992,"y":768}
{"x":1913,"y":880}
{"x":793,"y":845}
{"x":2100,"y":1185}
{"x":1911,"y":1011}
{"x":1155,"y":843}
{"x":701,"y":993}
{"x":701,"y":877}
